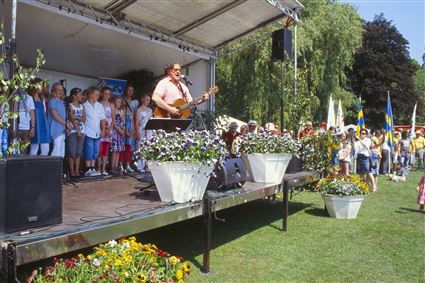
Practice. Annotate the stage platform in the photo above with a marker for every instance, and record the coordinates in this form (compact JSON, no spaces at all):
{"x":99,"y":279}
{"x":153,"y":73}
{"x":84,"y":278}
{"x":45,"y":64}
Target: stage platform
{"x":98,"y":211}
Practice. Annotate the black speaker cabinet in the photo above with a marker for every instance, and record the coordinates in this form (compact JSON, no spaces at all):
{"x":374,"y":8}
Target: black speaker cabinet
{"x":30,"y":192}
{"x":281,"y":44}
{"x":232,"y":173}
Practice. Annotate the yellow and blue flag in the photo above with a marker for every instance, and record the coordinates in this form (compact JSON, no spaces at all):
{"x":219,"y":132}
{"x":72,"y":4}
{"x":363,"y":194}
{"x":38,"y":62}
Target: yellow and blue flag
{"x":360,"y":118}
{"x":389,"y":124}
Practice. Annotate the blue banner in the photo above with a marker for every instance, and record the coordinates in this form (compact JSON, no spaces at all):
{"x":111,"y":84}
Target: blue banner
{"x":117,"y":86}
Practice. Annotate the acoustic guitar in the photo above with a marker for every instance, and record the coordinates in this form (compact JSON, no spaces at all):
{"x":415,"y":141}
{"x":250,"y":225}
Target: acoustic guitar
{"x":182,"y":106}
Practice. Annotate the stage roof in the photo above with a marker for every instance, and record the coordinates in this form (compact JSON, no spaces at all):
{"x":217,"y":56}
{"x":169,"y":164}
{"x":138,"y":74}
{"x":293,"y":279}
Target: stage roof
{"x":111,"y":37}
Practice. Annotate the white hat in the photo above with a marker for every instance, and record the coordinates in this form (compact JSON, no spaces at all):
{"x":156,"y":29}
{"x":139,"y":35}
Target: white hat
{"x":252,"y":122}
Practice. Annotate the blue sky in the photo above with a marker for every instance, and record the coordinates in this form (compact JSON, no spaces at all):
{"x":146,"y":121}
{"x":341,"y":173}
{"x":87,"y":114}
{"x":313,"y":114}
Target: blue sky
{"x":408,"y":16}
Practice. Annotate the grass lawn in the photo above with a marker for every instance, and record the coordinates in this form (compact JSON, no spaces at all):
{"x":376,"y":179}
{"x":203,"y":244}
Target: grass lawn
{"x":385,"y":243}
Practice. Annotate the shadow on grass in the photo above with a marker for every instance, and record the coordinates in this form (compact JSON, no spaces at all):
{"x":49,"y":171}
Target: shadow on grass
{"x":186,"y":238}
{"x":407,"y":210}
{"x":320,"y":212}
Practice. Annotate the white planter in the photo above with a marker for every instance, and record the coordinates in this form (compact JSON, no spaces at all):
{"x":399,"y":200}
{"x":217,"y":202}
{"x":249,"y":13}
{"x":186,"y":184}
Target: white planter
{"x":343,"y":207}
{"x":266,"y":167}
{"x":180,"y":181}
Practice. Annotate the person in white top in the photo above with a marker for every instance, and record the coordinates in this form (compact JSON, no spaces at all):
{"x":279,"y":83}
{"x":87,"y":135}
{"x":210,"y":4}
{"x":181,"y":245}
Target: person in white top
{"x":75,"y":138}
{"x":26,"y":126}
{"x":95,"y":129}
{"x":142,"y":116}
{"x":362,"y":151}
{"x":105,"y":142}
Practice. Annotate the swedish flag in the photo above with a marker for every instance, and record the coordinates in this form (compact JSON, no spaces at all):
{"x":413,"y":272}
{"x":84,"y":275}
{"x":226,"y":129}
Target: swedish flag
{"x":389,"y":124}
{"x":360,"y":118}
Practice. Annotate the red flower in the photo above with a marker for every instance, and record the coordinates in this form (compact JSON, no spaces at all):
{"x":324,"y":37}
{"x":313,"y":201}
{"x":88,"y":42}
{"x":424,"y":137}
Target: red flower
{"x":69,"y":263}
{"x":161,"y":253}
{"x":56,"y":260}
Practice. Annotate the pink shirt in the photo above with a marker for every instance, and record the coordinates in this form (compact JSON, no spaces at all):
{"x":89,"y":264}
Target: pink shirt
{"x":169,"y":92}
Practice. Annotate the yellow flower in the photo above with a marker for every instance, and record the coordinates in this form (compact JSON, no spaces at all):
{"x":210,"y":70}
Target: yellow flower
{"x":117,"y":262}
{"x":142,"y":277}
{"x":132,"y":238}
{"x":174,"y":260}
{"x":89,"y":257}
{"x":186,"y":267}
{"x":107,"y":266}
{"x":179,"y":274}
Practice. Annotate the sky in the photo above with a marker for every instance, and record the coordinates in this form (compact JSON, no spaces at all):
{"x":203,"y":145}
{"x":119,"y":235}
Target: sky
{"x":408,"y":16}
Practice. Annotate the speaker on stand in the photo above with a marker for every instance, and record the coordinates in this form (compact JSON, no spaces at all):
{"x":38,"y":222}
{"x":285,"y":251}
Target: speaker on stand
{"x":30,"y":192}
{"x":282,"y":44}
{"x":281,"y":50}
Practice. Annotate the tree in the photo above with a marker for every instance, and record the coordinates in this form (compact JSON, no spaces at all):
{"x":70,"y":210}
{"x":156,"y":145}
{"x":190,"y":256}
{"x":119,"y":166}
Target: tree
{"x":11,"y":88}
{"x":419,"y":87}
{"x":382,"y":65}
{"x":328,"y":37}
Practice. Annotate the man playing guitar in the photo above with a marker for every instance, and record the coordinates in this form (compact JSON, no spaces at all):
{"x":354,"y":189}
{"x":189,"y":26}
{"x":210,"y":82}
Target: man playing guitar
{"x":170,"y":89}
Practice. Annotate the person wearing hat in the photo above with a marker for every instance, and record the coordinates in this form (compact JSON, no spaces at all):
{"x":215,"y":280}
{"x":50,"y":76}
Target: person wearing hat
{"x":231,"y":134}
{"x":252,"y":126}
{"x":420,"y":149}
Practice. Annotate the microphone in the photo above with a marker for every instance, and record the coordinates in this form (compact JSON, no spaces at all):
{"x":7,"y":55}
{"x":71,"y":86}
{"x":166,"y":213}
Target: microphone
{"x":188,"y":82}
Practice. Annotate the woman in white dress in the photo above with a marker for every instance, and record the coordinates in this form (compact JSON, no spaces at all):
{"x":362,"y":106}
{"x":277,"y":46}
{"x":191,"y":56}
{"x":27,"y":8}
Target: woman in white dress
{"x":142,"y":116}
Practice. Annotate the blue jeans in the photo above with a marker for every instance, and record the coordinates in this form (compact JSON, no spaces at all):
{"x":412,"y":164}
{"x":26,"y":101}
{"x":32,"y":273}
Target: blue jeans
{"x":404,"y":159}
{"x":91,"y":148}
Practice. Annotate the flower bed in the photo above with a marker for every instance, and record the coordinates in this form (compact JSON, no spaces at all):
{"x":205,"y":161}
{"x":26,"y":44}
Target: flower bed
{"x":351,"y":185}
{"x":122,"y":261}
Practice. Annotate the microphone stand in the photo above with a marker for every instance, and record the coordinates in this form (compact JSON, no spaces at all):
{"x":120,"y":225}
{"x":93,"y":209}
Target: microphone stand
{"x":195,"y":108}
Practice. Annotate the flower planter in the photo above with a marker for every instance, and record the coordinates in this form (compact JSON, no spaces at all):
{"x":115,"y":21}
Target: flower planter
{"x":180,"y":181}
{"x":266,"y":167}
{"x":343,"y":207}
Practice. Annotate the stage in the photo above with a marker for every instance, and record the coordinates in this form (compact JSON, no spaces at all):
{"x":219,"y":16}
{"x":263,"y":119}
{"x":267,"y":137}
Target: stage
{"x":96,"y":211}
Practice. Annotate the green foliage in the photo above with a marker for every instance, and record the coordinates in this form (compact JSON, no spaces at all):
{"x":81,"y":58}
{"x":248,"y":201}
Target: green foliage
{"x":383,"y":65}
{"x":315,"y":152}
{"x":250,"y":82}
{"x":12,"y":88}
{"x":419,"y":87}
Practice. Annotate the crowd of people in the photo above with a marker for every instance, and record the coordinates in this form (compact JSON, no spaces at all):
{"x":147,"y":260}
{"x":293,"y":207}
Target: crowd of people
{"x":88,"y":124}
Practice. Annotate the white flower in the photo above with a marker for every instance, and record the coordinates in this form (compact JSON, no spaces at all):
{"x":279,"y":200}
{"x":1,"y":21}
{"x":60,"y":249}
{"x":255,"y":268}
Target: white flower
{"x":112,"y":243}
{"x":96,"y":262}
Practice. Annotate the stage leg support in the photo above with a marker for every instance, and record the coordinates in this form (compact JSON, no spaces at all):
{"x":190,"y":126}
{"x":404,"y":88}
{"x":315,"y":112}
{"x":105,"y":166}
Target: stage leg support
{"x":285,"y":189}
{"x":207,"y":212}
{"x":8,"y":262}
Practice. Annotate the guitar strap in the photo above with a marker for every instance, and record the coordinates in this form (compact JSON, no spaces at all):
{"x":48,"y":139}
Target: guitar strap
{"x":179,"y":86}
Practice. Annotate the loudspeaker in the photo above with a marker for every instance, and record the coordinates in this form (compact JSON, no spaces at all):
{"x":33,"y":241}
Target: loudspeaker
{"x":30,"y":192}
{"x":231,"y":173}
{"x":281,"y":44}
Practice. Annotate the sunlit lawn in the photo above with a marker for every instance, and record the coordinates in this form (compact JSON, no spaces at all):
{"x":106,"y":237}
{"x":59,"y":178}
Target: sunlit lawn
{"x":385,"y":243}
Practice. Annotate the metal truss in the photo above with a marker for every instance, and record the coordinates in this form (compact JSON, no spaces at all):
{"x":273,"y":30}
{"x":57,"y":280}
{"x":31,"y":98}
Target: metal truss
{"x":286,"y":10}
{"x":118,"y":21}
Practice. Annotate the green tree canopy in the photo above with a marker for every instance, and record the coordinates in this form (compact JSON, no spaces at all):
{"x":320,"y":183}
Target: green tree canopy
{"x":382,"y":65}
{"x":329,"y":35}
